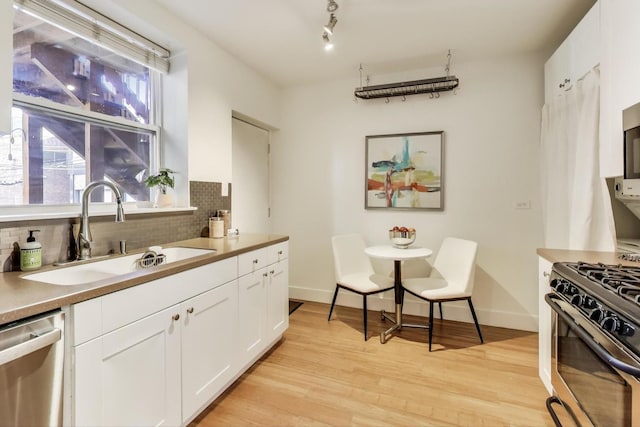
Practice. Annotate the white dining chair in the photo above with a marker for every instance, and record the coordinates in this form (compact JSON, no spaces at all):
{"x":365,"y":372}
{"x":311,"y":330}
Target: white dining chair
{"x":355,"y":273}
{"x":451,"y":279}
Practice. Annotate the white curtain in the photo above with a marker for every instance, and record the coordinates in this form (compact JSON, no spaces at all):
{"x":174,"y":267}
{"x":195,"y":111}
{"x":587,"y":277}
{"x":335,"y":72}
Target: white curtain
{"x":576,"y":205}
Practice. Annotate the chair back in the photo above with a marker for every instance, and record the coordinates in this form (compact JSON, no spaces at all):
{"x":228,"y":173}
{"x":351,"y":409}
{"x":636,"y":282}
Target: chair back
{"x":456,"y":263}
{"x":349,"y":256}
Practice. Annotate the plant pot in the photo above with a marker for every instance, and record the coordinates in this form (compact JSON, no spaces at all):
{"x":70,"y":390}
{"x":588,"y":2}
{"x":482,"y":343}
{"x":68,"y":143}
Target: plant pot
{"x":164,"y":200}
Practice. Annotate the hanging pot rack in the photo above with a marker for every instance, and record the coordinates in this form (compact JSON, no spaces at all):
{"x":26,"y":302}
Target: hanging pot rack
{"x":414,"y":87}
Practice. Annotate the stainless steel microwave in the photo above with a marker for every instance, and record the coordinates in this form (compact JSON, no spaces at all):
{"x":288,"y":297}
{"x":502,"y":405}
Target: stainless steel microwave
{"x":631,"y":128}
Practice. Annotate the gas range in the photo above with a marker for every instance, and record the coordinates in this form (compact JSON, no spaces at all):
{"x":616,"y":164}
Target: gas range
{"x":595,"y":348}
{"x":608,"y":295}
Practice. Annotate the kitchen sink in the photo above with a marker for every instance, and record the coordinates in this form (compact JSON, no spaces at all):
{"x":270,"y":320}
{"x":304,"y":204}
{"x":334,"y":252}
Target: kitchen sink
{"x":111,"y":267}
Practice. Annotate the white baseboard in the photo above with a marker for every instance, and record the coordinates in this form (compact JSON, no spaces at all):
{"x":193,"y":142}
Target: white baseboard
{"x":457,"y":310}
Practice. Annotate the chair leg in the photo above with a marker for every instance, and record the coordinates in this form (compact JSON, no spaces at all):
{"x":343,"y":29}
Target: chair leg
{"x":430,"y":323}
{"x":364,"y":315}
{"x":333,"y":303}
{"x":440,"y":308}
{"x":475,"y":319}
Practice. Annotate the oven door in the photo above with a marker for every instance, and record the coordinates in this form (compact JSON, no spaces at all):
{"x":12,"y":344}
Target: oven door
{"x":593,"y":378}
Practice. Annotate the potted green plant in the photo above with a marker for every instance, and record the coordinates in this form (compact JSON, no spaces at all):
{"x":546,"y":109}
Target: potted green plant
{"x":163,"y":180}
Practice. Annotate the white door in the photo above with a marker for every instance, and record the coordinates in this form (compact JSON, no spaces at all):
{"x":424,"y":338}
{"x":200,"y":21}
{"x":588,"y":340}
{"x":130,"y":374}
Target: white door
{"x":250,"y":178}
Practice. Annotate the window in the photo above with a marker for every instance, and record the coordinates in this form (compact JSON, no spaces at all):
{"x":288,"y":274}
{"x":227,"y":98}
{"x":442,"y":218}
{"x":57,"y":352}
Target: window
{"x":83,"y":107}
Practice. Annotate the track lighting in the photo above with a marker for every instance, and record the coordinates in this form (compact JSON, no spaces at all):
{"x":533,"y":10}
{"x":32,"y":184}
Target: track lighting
{"x":327,"y":43}
{"x":332,"y":6}
{"x":332,"y":23}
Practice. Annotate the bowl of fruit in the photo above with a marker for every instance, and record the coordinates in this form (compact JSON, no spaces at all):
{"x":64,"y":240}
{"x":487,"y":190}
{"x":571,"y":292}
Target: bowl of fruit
{"x":402,"y":237}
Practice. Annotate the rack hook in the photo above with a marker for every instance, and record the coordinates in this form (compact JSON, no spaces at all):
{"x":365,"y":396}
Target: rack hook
{"x":437,"y":94}
{"x":431,"y":95}
{"x":404,"y":98}
{"x":386,"y":101}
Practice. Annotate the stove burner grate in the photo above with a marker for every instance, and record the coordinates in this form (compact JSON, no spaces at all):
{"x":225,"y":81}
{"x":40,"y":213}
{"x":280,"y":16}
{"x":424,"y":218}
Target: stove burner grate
{"x":621,"y":280}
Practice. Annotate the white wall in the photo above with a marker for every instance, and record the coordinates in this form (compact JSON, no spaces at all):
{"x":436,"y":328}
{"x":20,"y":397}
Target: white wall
{"x":491,"y":162}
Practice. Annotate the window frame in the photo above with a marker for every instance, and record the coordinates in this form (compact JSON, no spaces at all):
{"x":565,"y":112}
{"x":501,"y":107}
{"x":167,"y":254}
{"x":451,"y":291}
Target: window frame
{"x":14,"y":212}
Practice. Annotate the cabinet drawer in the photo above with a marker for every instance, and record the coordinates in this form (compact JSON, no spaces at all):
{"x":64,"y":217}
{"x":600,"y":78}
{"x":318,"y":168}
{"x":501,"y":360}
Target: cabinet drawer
{"x":252,"y":261}
{"x":277,"y":252}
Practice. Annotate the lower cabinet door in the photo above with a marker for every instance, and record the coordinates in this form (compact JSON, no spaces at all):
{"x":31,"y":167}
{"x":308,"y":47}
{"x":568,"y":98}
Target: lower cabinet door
{"x":131,"y":376}
{"x":252,"y":305}
{"x":209,"y":356}
{"x":278,"y":299}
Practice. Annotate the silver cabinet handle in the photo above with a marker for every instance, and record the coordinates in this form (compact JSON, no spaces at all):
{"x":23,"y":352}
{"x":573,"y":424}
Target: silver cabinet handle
{"x":279,"y":252}
{"x":190,"y":310}
{"x":35,"y":343}
{"x":272,"y":271}
{"x":255,"y":261}
{"x":546,"y":274}
{"x":264,"y":274}
{"x":176,"y":316}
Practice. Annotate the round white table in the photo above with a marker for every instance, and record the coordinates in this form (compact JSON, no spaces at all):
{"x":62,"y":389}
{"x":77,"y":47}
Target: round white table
{"x":397,"y":255}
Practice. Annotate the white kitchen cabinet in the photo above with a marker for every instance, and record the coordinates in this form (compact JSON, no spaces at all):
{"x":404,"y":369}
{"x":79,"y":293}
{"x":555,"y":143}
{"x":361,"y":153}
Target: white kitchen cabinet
{"x":544,"y":324}
{"x":619,"y":83}
{"x":209,"y":332}
{"x":277,"y":299}
{"x":130,"y":376}
{"x":264,"y":299}
{"x":160,"y":352}
{"x":577,"y":54}
{"x":252,"y":312}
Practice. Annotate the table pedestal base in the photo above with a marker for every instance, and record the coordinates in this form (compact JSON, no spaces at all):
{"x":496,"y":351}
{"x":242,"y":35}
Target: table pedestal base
{"x":397,"y":324}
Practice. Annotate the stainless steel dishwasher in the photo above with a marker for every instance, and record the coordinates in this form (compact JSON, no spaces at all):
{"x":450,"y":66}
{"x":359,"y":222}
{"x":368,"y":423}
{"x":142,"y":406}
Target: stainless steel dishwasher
{"x":31,"y":367}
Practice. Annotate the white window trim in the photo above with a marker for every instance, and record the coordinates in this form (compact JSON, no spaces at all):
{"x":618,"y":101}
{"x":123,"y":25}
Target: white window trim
{"x":159,"y":61}
{"x":46,"y":105}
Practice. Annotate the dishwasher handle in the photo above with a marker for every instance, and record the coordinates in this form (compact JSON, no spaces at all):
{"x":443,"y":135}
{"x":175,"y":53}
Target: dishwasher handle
{"x":33,"y":344}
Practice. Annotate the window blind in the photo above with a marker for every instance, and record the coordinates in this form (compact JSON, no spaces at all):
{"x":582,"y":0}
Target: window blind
{"x":105,"y":32}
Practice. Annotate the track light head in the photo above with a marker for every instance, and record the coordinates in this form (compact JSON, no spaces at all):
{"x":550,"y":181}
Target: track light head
{"x":332,"y":23}
{"x":327,"y":43}
{"x":332,"y":6}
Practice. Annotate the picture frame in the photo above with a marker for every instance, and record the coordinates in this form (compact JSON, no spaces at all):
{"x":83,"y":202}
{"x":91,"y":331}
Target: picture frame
{"x":404,"y":171}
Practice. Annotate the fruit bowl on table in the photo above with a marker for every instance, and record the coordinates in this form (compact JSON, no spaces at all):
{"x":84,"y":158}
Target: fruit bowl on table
{"x":402,"y":239}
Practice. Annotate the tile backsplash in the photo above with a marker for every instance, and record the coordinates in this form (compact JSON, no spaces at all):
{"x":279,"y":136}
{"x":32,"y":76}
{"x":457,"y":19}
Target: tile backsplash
{"x":140,"y":230}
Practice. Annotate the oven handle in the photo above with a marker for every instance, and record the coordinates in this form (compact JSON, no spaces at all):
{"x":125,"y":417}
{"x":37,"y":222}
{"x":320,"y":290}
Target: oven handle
{"x":588,"y":339}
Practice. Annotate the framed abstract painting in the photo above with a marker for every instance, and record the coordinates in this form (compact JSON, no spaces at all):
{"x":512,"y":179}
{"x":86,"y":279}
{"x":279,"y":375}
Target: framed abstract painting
{"x":404,"y":171}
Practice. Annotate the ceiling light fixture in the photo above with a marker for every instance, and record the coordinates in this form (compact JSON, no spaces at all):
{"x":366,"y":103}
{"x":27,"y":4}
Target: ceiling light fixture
{"x":332,"y":6}
{"x":327,"y":43}
{"x":332,"y":23}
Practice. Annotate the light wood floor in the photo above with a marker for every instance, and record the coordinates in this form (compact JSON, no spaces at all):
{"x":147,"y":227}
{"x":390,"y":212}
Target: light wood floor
{"x":324,"y":374}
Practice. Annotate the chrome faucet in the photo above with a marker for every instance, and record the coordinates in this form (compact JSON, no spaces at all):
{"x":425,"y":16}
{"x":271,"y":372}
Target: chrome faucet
{"x":84,"y":234}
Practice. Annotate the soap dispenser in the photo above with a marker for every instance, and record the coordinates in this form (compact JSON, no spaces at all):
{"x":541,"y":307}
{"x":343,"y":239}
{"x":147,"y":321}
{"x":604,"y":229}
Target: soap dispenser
{"x":31,"y":253}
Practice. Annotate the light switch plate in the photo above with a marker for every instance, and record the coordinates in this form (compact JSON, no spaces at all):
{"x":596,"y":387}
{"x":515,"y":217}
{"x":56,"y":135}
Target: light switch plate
{"x":522,"y":204}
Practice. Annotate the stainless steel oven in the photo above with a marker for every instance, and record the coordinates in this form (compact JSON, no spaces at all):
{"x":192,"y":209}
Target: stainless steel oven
{"x":596,"y":344}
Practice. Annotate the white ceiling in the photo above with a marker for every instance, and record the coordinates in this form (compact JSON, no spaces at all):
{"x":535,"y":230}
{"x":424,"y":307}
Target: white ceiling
{"x":282,"y":40}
